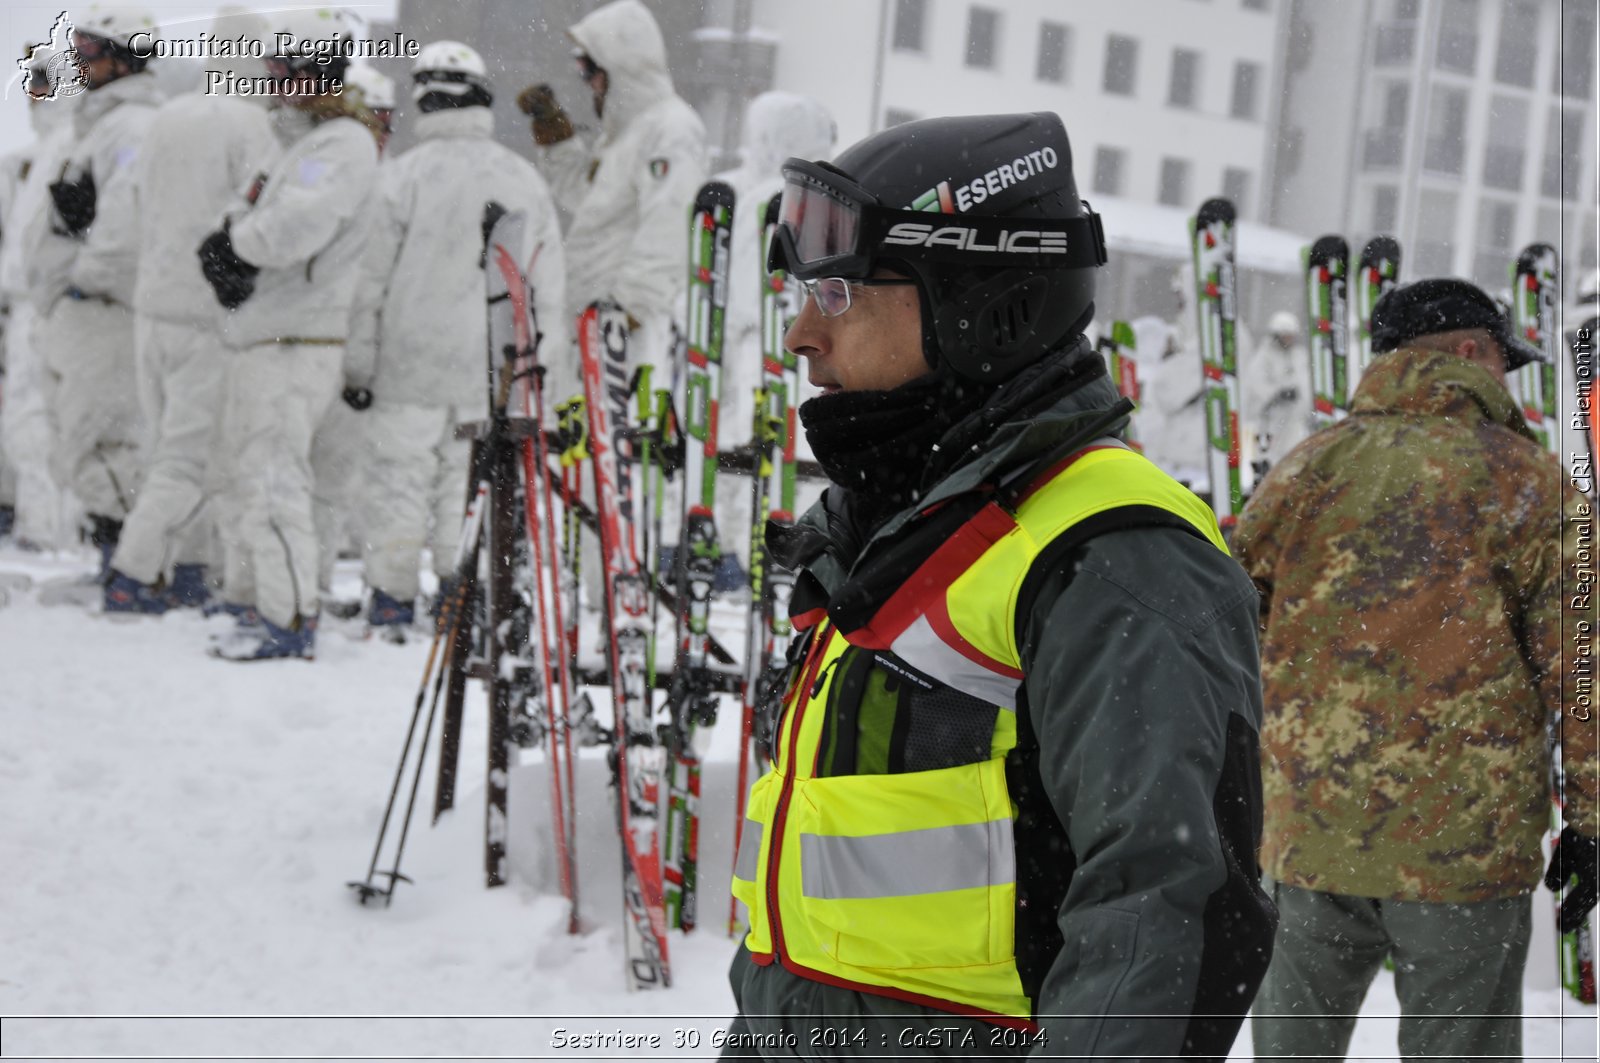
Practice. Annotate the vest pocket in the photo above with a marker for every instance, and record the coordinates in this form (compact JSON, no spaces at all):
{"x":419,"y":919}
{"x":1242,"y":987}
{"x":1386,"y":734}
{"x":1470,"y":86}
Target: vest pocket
{"x":914,"y":870}
{"x":886,"y":718}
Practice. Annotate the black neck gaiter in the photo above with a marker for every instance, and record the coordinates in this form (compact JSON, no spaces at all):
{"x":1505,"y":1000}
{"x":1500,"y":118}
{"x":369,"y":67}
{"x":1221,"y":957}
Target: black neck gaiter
{"x":877,"y":444}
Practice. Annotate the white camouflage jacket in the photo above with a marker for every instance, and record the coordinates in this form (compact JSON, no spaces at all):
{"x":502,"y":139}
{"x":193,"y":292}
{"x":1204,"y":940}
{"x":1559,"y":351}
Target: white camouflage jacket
{"x":630,"y":191}
{"x":418,"y":328}
{"x":109,"y":126}
{"x":305,"y":229}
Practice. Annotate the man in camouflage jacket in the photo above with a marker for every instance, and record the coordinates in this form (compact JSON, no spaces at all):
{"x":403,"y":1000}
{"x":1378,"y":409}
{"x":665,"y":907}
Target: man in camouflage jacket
{"x":1420,"y":576}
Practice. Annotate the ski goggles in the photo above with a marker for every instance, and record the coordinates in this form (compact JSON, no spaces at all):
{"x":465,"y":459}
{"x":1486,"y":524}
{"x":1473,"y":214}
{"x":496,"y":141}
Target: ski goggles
{"x":830,"y":226}
{"x":91,"y":47}
{"x":588,"y":69}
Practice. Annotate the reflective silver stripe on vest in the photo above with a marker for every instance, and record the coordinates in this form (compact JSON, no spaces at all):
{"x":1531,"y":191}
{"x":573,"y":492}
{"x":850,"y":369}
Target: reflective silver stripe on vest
{"x":749,"y":852}
{"x":920,"y":645}
{"x":971,"y":855}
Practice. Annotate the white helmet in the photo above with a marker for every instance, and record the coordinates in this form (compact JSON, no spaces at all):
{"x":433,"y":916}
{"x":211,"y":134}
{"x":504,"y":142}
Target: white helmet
{"x":129,"y":31}
{"x":1284,"y":323}
{"x":450,"y":69}
{"x":1588,"y":288}
{"x":376,"y":88}
{"x":307,"y":39}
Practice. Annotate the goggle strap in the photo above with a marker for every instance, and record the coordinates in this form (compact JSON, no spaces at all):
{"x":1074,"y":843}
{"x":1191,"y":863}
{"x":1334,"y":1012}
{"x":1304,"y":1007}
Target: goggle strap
{"x":999,"y":242}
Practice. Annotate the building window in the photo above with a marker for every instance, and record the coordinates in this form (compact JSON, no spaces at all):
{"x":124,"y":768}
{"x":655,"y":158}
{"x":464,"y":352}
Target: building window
{"x":1185,"y":76}
{"x":1575,"y":72}
{"x":1054,"y":42}
{"x":1436,"y":229}
{"x":1457,"y":49}
{"x":1122,"y":65}
{"x":1236,"y":188}
{"x":1395,"y":39}
{"x":1563,"y":137}
{"x":893,"y":116}
{"x":983,"y":37}
{"x":1385,"y":215}
{"x":910,"y":19}
{"x":1108,"y":167}
{"x":1503,"y":158}
{"x":1547,"y":227}
{"x":1445,"y":145}
{"x":1174,"y":190}
{"x":1246,"y":76}
{"x":1518,"y":50}
{"x":1496,"y":220}
{"x":1384,"y":144}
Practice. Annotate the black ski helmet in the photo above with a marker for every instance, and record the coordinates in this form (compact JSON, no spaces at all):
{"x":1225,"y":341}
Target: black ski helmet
{"x":981,"y":210}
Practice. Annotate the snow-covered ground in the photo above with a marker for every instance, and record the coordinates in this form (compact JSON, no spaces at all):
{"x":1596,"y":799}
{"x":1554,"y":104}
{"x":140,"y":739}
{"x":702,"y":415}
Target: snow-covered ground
{"x":176,"y":833}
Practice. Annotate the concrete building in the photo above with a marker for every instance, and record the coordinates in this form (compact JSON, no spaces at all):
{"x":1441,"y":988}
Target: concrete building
{"x":1167,"y":103}
{"x":1464,"y":127}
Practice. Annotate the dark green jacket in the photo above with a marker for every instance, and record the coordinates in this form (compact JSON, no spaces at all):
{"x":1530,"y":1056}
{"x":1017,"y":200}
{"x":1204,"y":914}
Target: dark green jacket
{"x":1136,"y":781}
{"x":1410,"y":560}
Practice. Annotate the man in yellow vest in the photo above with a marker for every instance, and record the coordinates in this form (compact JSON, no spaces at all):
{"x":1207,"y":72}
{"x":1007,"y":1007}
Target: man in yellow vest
{"x":1014,"y":799}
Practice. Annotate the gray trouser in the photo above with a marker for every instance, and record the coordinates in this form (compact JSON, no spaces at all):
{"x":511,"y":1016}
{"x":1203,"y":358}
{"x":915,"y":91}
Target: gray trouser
{"x":1457,"y":971}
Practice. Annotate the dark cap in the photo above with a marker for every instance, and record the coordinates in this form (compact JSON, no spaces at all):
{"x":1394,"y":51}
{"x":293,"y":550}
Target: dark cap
{"x":1445,"y":304}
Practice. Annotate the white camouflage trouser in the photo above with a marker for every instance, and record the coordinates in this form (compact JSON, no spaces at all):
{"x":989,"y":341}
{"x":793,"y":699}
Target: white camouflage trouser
{"x":25,"y":431}
{"x":89,"y":349}
{"x":182,"y":376}
{"x":277,"y":395}
{"x":340,"y":454}
{"x":415,"y":493}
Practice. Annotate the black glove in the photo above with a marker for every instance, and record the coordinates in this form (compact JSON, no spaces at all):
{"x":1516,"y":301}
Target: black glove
{"x":1573,"y":860}
{"x":231,"y":276}
{"x":75,"y":202}
{"x":550,"y":122}
{"x":492,"y":213}
{"x":357,"y":399}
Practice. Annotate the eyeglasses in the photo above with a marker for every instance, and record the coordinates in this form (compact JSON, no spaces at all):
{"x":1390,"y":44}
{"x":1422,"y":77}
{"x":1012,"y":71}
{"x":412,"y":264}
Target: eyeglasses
{"x":832,"y":294}
{"x":588,"y":69}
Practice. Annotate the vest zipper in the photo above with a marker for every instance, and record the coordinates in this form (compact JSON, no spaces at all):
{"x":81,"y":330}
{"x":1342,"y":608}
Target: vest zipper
{"x":781,"y":812}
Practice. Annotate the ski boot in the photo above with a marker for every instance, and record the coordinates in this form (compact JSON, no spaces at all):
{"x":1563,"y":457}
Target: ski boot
{"x":188,"y":589}
{"x":126,"y":595}
{"x":104,"y":532}
{"x":389,"y":618}
{"x":266,"y":641}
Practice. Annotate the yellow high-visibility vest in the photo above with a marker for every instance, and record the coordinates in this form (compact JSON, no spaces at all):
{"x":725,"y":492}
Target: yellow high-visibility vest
{"x":904,"y":883}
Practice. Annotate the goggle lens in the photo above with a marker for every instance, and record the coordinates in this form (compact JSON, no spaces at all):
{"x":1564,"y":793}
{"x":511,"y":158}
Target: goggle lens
{"x":821,"y":226}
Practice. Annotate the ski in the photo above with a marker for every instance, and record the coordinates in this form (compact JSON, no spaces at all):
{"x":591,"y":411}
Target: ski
{"x":1377,"y":270}
{"x":550,"y":692}
{"x":1211,"y":234}
{"x":691,"y":700}
{"x":1327,"y":266}
{"x":1535,"y":285}
{"x":572,"y":437}
{"x":636,"y":757}
{"x":1120,"y":348}
{"x":1586,"y":402}
{"x":1535,"y":282}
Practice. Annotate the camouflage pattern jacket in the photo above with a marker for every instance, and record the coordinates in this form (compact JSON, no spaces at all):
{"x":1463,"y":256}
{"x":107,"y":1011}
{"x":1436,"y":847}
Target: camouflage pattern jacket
{"x":1414,"y":606}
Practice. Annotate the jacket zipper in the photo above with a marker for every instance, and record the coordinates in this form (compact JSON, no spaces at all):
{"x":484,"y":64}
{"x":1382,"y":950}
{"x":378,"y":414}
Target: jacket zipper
{"x":780,"y":814}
